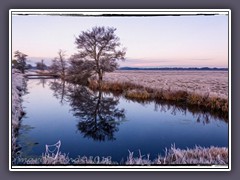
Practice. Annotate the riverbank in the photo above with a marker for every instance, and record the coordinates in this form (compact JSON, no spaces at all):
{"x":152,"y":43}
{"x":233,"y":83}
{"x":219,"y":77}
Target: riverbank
{"x":173,"y":156}
{"x":141,"y":93}
{"x":17,"y":109}
{"x":205,"y":90}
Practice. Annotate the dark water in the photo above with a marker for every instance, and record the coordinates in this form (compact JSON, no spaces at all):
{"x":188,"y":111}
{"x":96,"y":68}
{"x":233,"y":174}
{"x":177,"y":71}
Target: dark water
{"x":100,"y":124}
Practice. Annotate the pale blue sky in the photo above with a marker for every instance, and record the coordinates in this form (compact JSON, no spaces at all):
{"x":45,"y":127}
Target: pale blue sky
{"x":162,"y":41}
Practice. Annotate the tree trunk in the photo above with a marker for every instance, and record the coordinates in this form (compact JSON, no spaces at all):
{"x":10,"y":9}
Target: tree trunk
{"x":100,"y":79}
{"x":96,"y":112}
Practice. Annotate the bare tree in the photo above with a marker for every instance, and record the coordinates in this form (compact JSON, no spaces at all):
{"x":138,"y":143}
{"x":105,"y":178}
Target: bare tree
{"x":20,"y":61}
{"x":99,"y":46}
{"x":59,"y":64}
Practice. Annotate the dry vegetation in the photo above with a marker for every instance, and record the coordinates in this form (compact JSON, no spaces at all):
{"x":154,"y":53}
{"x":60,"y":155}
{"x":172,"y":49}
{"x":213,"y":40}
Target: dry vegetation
{"x":195,"y":156}
{"x":200,"y":82}
{"x":205,"y":89}
{"x":173,"y":156}
{"x":17,"y":110}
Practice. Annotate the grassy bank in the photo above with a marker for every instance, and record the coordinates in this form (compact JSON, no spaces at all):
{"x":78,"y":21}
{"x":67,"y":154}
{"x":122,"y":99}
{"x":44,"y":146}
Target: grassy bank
{"x":17,"y":109}
{"x":137,"y":92}
{"x":173,"y":156}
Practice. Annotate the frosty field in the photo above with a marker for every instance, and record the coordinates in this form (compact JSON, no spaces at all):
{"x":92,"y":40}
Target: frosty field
{"x":200,"y":82}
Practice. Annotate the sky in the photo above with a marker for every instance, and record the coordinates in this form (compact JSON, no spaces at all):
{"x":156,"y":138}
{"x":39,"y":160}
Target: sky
{"x":156,"y":41}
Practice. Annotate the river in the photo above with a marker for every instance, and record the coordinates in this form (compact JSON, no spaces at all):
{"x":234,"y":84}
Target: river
{"x":102,"y":124}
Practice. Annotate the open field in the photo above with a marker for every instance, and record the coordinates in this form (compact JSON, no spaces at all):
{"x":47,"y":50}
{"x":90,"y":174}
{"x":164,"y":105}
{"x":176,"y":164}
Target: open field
{"x":200,"y":82}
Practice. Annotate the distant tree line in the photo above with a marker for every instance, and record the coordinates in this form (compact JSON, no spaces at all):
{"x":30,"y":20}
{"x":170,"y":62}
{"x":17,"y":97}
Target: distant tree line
{"x":174,"y":68}
{"x":20,"y":62}
{"x":41,"y":65}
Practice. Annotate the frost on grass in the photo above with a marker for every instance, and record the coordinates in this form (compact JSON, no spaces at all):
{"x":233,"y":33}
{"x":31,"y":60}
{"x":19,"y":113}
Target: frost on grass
{"x":53,"y":156}
{"x":195,"y":156}
{"x":214,"y":83}
{"x":203,"y":89}
{"x":17,"y":110}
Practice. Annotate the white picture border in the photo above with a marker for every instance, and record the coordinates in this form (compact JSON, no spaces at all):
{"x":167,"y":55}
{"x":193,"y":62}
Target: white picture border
{"x":125,"y":12}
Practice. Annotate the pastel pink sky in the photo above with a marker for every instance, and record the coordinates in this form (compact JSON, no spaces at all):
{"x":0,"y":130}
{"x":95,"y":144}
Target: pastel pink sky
{"x":160,"y":41}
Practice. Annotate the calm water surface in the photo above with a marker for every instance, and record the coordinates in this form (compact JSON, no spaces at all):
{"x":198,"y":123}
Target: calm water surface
{"x":100,"y":124}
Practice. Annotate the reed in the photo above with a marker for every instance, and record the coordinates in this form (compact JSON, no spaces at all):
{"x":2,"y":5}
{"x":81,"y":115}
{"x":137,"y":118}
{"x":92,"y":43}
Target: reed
{"x":196,"y":156}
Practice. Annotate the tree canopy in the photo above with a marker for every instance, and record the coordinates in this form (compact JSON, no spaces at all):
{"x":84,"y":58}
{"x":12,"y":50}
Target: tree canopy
{"x":99,"y":48}
{"x":20,"y":61}
{"x":59,"y":64}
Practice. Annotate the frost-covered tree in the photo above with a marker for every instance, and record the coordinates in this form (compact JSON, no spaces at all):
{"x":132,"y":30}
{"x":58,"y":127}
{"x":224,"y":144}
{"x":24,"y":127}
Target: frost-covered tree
{"x":20,"y":61}
{"x":79,"y":70}
{"x":99,"y":48}
{"x":59,"y":64}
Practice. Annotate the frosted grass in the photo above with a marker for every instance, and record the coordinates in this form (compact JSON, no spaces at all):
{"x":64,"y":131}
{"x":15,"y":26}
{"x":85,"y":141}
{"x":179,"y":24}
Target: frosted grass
{"x":17,"y":110}
{"x":173,"y":156}
{"x":214,"y":83}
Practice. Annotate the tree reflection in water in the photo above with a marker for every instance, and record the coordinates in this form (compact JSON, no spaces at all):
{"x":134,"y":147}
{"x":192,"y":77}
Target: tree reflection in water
{"x":42,"y":81}
{"x":201,"y":115}
{"x":99,"y":115}
{"x":59,"y":90}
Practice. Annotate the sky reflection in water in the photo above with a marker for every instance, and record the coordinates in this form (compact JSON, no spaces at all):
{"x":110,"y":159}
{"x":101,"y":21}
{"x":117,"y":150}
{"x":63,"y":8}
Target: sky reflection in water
{"x":100,"y":124}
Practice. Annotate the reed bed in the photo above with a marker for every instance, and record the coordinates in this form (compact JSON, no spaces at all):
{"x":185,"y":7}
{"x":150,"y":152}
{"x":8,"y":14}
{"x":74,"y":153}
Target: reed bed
{"x":190,"y":98}
{"x":173,"y":156}
{"x":176,"y":156}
